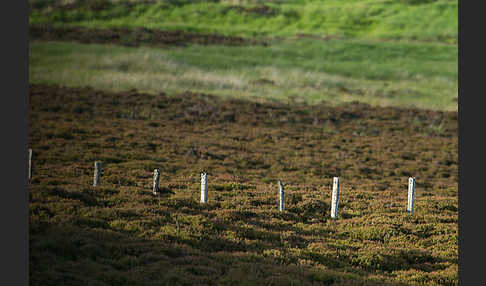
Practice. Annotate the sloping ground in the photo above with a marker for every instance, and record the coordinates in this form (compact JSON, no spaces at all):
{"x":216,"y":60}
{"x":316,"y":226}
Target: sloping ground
{"x":120,"y":234}
{"x":132,"y":37}
{"x":423,"y":20}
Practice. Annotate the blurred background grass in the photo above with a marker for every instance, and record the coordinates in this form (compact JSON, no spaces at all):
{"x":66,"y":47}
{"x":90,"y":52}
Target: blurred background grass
{"x":379,"y":73}
{"x":426,"y":20}
{"x":388,"y":53}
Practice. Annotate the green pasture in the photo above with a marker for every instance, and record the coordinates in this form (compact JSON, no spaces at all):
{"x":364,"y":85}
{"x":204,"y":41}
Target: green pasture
{"x":423,"y":20}
{"x":380,"y":73}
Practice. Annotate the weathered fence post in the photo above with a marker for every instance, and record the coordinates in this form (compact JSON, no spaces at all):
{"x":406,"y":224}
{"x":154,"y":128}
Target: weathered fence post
{"x":335,"y":198}
{"x":155,"y":187}
{"x":30,"y":164}
{"x":204,"y":188}
{"x":281,"y":206}
{"x":97,"y":173}
{"x":411,"y":194}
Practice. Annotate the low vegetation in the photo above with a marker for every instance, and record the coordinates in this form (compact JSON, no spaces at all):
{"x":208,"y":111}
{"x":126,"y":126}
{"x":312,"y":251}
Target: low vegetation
{"x":120,"y":234}
{"x":252,"y":92}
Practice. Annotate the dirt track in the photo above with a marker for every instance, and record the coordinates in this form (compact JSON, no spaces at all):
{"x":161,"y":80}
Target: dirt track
{"x":133,"y":37}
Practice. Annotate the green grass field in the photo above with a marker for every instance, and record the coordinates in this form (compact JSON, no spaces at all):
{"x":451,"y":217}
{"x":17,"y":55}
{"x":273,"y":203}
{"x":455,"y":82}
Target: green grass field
{"x":379,"y":73}
{"x":425,"y":20}
{"x":376,"y":60}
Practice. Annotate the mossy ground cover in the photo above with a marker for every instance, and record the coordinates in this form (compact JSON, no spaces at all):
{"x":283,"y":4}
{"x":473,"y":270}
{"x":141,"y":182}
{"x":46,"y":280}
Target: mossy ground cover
{"x":120,"y":234}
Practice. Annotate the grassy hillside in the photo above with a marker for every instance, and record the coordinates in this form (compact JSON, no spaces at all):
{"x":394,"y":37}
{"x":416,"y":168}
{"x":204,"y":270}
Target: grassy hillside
{"x":120,"y":234}
{"x":424,"y":20}
{"x":388,"y":53}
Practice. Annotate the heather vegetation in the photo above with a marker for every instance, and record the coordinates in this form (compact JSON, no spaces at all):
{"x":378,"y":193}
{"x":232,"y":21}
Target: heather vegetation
{"x":120,"y":234}
{"x":250,"y":92}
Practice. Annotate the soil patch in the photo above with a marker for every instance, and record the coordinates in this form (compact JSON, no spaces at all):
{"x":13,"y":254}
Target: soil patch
{"x":88,"y":5}
{"x":261,"y":10}
{"x":133,"y":37}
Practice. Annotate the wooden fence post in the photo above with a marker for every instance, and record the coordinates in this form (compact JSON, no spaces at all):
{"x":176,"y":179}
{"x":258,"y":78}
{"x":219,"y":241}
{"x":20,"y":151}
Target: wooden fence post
{"x":97,"y":173}
{"x":155,"y":188}
{"x":30,"y":164}
{"x":281,"y":206}
{"x":335,"y":198}
{"x":204,"y":188}
{"x":411,"y":194}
